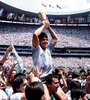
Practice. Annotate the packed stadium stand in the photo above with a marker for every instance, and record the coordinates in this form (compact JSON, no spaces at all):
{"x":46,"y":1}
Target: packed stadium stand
{"x":21,"y":35}
{"x":72,"y":28}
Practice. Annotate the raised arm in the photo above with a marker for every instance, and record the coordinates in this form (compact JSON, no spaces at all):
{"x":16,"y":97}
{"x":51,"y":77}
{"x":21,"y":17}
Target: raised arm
{"x":6,"y":55}
{"x":35,"y":40}
{"x":60,"y":95}
{"x":10,"y":76}
{"x":52,"y":33}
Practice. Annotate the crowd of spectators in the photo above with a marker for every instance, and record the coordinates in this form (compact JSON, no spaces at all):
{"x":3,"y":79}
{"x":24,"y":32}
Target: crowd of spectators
{"x":22,"y":35}
{"x":67,"y":36}
{"x":25,"y":84}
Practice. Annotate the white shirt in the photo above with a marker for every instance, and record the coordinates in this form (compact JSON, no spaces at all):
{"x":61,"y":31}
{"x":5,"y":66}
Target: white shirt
{"x":88,"y":95}
{"x":69,"y":95}
{"x":3,"y":95}
{"x":9,"y":91}
{"x":16,"y":96}
{"x":42,"y":58}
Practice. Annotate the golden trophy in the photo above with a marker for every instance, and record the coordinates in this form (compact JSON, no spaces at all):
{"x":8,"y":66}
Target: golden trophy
{"x":43,"y":18}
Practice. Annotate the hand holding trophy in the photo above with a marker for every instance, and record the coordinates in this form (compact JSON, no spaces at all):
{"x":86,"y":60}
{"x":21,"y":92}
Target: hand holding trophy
{"x":44,"y":19}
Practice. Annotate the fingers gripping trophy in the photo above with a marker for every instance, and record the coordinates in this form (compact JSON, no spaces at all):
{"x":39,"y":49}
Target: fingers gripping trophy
{"x":44,"y":19}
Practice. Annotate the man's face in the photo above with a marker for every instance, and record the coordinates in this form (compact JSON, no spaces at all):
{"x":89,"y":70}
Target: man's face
{"x":23,"y":85}
{"x":69,"y":77}
{"x":13,"y":74}
{"x":43,"y":42}
{"x":55,"y":84}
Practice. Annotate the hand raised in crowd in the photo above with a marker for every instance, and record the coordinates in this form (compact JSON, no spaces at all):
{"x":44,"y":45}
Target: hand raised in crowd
{"x":32,"y":78}
{"x":36,"y":72}
{"x":6,"y":55}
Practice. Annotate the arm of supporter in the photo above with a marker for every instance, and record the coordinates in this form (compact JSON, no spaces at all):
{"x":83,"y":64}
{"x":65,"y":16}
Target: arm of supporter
{"x":36,"y":72}
{"x":2,"y":83}
{"x":64,"y":83}
{"x":3,"y":73}
{"x":6,"y":55}
{"x":32,"y":78}
{"x":35,"y":40}
{"x":60,"y":95}
{"x":12,"y":68}
{"x":46,"y":93}
{"x":63,"y":80}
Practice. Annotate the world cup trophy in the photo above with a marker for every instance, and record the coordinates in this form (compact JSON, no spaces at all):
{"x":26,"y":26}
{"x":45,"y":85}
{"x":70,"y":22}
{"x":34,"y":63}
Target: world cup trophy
{"x":43,"y":18}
